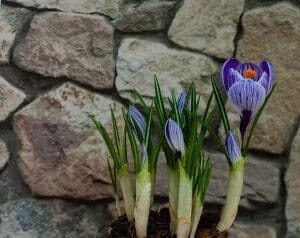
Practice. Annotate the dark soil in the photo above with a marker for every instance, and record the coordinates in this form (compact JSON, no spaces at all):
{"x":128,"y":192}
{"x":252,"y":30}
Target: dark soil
{"x":158,"y":226}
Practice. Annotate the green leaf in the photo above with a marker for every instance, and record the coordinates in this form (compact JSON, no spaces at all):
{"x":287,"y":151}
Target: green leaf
{"x":245,"y":149}
{"x":142,"y":101}
{"x":221,"y":106}
{"x":133,"y":143}
{"x":107,"y":140}
{"x":116,"y":131}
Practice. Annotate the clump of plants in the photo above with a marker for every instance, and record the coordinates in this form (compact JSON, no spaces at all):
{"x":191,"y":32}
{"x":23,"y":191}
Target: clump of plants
{"x":179,"y":126}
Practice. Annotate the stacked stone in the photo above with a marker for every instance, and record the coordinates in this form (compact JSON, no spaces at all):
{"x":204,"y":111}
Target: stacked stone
{"x":60,"y":60}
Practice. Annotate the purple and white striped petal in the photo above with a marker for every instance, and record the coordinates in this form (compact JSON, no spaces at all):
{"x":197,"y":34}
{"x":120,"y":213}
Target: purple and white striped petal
{"x":268,"y":68}
{"x":137,"y":121}
{"x":225,"y":72}
{"x":232,"y":147}
{"x":265,"y":82}
{"x":247,"y":65}
{"x":234,"y":76}
{"x":181,"y":101}
{"x":174,"y":136}
{"x":247,"y":95}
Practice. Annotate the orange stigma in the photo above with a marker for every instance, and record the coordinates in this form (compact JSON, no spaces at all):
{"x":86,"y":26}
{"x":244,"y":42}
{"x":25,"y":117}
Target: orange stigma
{"x":249,"y":73}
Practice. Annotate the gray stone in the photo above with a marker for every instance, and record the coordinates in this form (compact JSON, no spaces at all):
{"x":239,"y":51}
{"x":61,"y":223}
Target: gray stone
{"x":207,"y":26}
{"x":61,"y":152}
{"x":139,"y":60}
{"x":263,"y":188}
{"x":30,"y":218}
{"x":240,"y":230}
{"x":292,"y":180}
{"x":147,"y":16}
{"x":10,"y":98}
{"x":106,"y":7}
{"x":77,"y":46}
{"x":4,"y":155}
{"x":279,"y":26}
{"x":12,"y":20}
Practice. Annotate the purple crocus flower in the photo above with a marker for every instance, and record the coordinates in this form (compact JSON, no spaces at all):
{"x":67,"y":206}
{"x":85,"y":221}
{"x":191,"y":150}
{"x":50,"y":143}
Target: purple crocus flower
{"x":137,"y":121}
{"x":181,"y":101}
{"x":247,"y":86}
{"x":232,"y":147}
{"x":174,"y":137}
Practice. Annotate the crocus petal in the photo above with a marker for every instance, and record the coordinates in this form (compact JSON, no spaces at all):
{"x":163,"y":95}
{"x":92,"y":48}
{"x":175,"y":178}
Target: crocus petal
{"x":234,"y":76}
{"x":247,"y":95}
{"x":181,"y":101}
{"x":227,"y":66}
{"x":265,"y":82}
{"x":232,"y":148}
{"x":268,"y":68}
{"x":137,"y":120}
{"x":174,"y":136}
{"x":247,"y":65}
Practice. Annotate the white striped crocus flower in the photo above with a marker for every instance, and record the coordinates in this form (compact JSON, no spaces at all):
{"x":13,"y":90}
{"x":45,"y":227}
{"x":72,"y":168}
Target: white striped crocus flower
{"x":174,"y":137}
{"x":235,"y":182}
{"x":181,"y":101}
{"x":247,"y":86}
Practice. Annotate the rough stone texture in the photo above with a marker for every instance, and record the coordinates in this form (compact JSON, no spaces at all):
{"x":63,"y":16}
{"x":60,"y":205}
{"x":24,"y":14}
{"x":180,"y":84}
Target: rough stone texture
{"x":61,"y":152}
{"x":29,"y":218}
{"x":250,"y":231}
{"x":255,"y":191}
{"x":139,"y":60}
{"x":292,"y":180}
{"x":4,"y":155}
{"x":77,"y":46}
{"x":279,"y":26}
{"x":11,"y":22}
{"x":148,"y":16}
{"x":107,"y":7}
{"x":207,"y":26}
{"x":10,"y":98}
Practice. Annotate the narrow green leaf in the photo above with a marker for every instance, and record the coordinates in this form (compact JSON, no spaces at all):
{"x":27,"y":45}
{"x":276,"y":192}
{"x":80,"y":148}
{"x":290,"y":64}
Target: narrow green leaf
{"x":260,"y":111}
{"x":133,"y":143}
{"x":221,"y":106}
{"x":107,"y":140}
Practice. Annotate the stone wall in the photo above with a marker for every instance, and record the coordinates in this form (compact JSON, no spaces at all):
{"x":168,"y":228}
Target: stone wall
{"x":60,"y":60}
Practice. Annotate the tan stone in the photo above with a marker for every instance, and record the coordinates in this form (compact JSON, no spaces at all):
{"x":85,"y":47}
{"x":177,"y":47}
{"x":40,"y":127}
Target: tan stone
{"x":12,"y":20}
{"x":273,"y":33}
{"x":207,"y":26}
{"x":106,"y":7}
{"x":10,"y":99}
{"x":240,"y":230}
{"x":61,"y":152}
{"x":77,"y":46}
{"x":147,"y":16}
{"x":139,"y":60}
{"x":292,"y":180}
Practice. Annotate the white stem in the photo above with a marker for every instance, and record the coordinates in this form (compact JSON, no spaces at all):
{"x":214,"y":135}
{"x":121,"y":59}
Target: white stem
{"x":173,"y":180}
{"x":234,"y":192}
{"x":184,"y":204}
{"x":126,"y":188}
{"x":117,"y":200}
{"x":143,"y":202}
{"x":196,"y":214}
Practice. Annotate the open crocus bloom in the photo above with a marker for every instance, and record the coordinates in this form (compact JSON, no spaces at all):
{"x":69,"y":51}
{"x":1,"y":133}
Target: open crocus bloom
{"x":247,"y":86}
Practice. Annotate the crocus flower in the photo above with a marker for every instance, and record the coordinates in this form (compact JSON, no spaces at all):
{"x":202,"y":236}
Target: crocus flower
{"x":181,"y":101}
{"x":137,"y":122}
{"x":247,"y":86}
{"x":232,"y":148}
{"x":174,"y":137}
